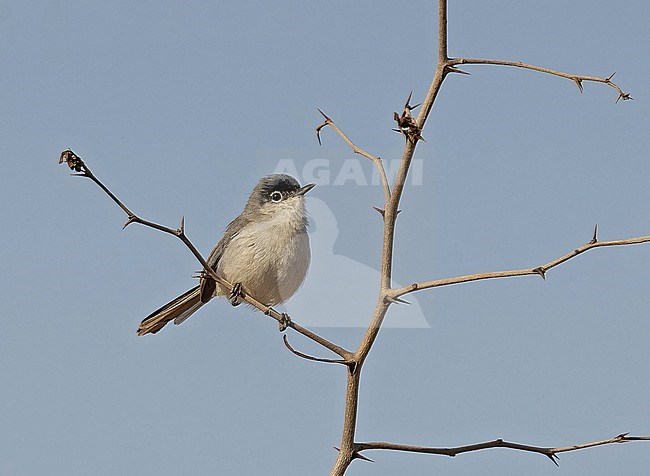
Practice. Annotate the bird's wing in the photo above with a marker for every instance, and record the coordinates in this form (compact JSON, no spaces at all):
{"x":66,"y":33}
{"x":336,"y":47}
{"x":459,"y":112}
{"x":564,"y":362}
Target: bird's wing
{"x":208,"y":285}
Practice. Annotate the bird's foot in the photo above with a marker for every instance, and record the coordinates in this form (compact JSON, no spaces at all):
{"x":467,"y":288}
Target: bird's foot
{"x":235,"y":294}
{"x":283,"y":322}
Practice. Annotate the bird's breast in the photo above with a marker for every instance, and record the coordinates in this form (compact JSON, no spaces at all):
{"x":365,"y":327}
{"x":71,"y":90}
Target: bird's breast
{"x":269,"y":261}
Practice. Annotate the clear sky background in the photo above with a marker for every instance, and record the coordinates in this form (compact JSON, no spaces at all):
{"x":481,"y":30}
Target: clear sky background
{"x":180,"y":107}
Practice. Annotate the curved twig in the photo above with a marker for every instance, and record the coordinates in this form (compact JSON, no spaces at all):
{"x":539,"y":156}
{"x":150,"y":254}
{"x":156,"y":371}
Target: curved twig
{"x":309,"y":357}
{"x":376,"y":160}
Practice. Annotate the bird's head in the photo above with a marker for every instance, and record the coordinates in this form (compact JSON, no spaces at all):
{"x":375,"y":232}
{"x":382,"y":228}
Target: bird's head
{"x":279,"y":197}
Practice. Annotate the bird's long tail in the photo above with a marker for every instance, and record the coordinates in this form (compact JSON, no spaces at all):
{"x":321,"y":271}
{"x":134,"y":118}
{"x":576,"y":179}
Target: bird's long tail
{"x":177,"y":310}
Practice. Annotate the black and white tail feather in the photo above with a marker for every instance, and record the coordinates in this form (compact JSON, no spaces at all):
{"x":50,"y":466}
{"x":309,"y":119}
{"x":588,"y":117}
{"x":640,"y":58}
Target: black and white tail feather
{"x":177,"y":310}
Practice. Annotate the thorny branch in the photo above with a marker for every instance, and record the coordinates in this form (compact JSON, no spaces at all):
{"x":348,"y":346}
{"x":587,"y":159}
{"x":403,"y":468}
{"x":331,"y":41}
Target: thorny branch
{"x":576,"y":78}
{"x":539,"y":270}
{"x":411,"y":128}
{"x":551,"y":453}
{"x":78,"y":165}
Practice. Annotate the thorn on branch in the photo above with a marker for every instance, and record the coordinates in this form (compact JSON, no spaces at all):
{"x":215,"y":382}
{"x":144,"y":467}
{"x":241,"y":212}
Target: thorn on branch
{"x":396,"y":300}
{"x":621,"y":95}
{"x":407,"y":105}
{"x":131,"y":219}
{"x":327,"y":119}
{"x":624,"y":97}
{"x":327,"y":122}
{"x":541,"y":271}
{"x":595,"y":238}
{"x":408,"y":100}
{"x":555,"y":458}
{"x":382,"y":212}
{"x":357,"y":455}
{"x":454,"y":69}
{"x":578,"y":82}
{"x":181,"y":230}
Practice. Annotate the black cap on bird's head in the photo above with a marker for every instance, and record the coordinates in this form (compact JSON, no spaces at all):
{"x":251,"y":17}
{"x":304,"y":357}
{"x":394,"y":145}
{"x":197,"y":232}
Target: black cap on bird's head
{"x":277,"y":188}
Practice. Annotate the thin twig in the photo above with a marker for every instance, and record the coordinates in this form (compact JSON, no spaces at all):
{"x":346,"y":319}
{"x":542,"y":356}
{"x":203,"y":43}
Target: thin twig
{"x":376,"y":160}
{"x":76,"y":163}
{"x":576,"y":78}
{"x":551,"y":453}
{"x":309,"y":357}
{"x":540,"y":270}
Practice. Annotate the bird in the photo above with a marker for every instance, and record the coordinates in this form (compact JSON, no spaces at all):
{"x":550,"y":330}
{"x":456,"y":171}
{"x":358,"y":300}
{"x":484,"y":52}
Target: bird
{"x":264,"y":251}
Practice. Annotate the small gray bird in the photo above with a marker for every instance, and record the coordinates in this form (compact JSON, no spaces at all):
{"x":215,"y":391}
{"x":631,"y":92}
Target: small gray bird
{"x":265,"y":251}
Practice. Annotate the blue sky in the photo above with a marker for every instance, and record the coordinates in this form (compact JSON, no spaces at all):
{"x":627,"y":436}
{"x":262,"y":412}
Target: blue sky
{"x":180,"y":107}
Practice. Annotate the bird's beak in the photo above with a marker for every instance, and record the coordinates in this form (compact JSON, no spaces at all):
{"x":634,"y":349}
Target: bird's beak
{"x":305,"y":189}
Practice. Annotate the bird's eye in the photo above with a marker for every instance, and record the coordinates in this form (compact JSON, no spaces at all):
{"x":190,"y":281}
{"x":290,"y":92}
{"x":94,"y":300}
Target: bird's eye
{"x":276,"y":197}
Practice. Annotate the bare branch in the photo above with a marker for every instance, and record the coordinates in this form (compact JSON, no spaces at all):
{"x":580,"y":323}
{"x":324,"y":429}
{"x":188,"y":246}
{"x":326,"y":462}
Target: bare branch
{"x":376,"y":160}
{"x":540,"y":270}
{"x":576,"y":78}
{"x":76,"y":163}
{"x":551,"y":453}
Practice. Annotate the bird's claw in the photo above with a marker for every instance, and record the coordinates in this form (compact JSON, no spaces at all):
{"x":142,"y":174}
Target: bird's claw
{"x":235,"y":294}
{"x":284,"y":322}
